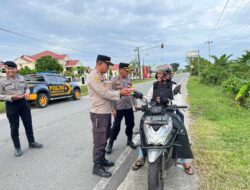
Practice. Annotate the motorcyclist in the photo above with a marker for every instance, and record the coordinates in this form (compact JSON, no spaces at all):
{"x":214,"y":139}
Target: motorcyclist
{"x":163,"y":92}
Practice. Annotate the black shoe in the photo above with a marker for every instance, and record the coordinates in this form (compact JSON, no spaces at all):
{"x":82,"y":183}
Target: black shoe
{"x":18,"y":152}
{"x":107,"y":163}
{"x":131,"y":144}
{"x":109,"y":147}
{"x":99,"y":170}
{"x":35,"y":145}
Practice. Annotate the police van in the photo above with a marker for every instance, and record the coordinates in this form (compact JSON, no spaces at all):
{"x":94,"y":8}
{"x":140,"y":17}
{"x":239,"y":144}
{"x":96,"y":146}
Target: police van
{"x":45,"y":87}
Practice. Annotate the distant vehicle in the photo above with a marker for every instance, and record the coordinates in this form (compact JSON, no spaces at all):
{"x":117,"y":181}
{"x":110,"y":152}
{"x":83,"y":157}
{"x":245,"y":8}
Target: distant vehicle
{"x":45,"y":87}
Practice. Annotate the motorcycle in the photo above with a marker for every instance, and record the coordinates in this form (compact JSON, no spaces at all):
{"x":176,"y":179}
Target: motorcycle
{"x":160,"y":127}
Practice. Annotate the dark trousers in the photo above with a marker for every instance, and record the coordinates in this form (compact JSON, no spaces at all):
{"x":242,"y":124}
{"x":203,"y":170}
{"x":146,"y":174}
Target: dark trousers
{"x":129,"y":122}
{"x":101,"y":129}
{"x":14,"y":110}
{"x":181,"y":115}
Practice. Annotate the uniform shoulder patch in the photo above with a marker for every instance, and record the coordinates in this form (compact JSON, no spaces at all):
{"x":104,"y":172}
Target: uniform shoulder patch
{"x":97,"y":79}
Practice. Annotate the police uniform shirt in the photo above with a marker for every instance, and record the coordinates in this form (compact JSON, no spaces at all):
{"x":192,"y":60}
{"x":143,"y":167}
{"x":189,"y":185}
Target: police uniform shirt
{"x":100,"y":93}
{"x":11,"y":86}
{"x":126,"y":102}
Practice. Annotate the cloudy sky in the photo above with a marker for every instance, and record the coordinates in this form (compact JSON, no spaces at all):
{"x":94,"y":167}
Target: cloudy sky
{"x":83,"y":29}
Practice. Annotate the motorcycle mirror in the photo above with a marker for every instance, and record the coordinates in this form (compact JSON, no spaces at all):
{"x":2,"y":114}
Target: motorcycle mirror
{"x":137,"y":95}
{"x":177,"y":89}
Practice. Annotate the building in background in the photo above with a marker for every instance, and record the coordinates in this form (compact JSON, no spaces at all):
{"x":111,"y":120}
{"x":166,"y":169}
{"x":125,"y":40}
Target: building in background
{"x":2,"y":69}
{"x":115,"y":70}
{"x":30,"y":60}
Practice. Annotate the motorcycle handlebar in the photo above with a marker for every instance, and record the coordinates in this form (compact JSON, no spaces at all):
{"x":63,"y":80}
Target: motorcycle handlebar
{"x":181,"y":107}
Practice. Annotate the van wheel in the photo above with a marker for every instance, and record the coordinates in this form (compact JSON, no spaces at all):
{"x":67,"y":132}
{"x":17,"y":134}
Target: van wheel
{"x":42,"y":100}
{"x":76,"y":94}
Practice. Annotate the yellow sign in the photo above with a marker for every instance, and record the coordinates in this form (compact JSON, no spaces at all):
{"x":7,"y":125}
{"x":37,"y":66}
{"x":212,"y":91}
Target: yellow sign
{"x":56,"y":88}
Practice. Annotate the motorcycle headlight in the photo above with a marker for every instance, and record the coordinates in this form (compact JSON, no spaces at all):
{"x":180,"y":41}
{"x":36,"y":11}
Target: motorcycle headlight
{"x":158,"y":134}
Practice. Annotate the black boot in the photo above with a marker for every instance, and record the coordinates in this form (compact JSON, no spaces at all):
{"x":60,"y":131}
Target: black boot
{"x":18,"y":152}
{"x":99,"y":170}
{"x":131,"y":144}
{"x":110,"y":146}
{"x":35,"y":145}
{"x":107,"y":163}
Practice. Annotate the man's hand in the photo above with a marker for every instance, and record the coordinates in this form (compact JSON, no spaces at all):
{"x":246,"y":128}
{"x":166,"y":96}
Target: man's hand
{"x":158,"y":99}
{"x":114,"y":113}
{"x":17,"y":97}
{"x":125,"y":92}
{"x":26,"y":96}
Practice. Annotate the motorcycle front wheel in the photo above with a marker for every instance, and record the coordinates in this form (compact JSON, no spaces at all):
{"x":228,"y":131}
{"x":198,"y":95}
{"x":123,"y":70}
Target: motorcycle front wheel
{"x":155,"y":181}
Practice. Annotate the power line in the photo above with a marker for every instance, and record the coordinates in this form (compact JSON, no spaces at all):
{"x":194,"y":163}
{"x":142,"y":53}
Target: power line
{"x":223,"y":10}
{"x":238,"y":11}
{"x":43,"y":41}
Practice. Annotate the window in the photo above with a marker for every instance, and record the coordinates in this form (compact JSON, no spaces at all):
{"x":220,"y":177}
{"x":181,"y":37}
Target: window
{"x":35,"y":78}
{"x":61,"y":79}
{"x":51,"y":78}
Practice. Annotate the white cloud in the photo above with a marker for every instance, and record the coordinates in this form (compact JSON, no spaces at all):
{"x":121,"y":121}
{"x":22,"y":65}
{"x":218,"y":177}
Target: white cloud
{"x":117,"y":27}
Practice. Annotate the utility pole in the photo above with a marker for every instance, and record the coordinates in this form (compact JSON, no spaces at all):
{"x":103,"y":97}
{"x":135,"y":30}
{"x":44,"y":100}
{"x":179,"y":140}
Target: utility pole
{"x":138,"y":55}
{"x":209,"y":42}
{"x":139,"y":61}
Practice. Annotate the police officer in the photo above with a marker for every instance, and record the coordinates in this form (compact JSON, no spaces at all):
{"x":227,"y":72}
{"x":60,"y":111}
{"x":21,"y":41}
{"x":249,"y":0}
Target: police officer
{"x":101,"y":96}
{"x":14,"y":91}
{"x":122,"y":108}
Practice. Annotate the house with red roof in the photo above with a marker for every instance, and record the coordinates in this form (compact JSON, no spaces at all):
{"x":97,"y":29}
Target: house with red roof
{"x":115,"y":69}
{"x":2,"y":70}
{"x":30,"y":60}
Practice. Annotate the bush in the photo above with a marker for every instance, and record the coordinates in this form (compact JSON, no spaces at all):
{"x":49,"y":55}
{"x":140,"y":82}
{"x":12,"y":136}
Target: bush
{"x":26,"y":71}
{"x":232,"y":85}
{"x":213,"y":74}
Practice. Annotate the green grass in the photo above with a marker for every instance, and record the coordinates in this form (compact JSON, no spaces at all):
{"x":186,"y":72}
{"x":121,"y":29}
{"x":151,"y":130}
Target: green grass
{"x":221,"y":136}
{"x":2,"y":107}
{"x":84,"y":90}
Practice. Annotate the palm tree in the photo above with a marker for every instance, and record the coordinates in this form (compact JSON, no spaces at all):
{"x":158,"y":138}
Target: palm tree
{"x":222,"y":60}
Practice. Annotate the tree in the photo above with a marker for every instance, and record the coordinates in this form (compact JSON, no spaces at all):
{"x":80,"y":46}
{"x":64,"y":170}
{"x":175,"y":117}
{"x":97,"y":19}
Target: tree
{"x":26,"y":71}
{"x":245,"y":58}
{"x":134,"y":64}
{"x":175,"y":66}
{"x":222,"y":60}
{"x":110,"y":72}
{"x":82,"y":70}
{"x":48,"y":64}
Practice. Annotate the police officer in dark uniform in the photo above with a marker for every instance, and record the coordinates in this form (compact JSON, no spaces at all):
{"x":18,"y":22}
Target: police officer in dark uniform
{"x":122,"y":108}
{"x":101,"y":96}
{"x":14,"y":91}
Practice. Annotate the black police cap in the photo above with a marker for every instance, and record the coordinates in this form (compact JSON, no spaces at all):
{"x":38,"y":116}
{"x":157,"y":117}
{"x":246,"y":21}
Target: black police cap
{"x":123,"y":65}
{"x":105,"y":59}
{"x":10,"y":64}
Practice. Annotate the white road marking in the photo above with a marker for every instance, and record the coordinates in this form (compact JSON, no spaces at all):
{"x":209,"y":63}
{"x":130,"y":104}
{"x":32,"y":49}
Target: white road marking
{"x":105,"y":181}
{"x":181,"y":81}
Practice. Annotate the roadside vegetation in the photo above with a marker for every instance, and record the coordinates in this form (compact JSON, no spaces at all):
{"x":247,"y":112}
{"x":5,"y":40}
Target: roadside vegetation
{"x":2,"y":107}
{"x":219,"y":99}
{"x":221,"y":138}
{"x":233,"y":76}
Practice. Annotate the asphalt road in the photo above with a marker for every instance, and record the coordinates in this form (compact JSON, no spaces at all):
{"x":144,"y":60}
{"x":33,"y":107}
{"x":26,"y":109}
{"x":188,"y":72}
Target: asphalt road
{"x":65,"y":162}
